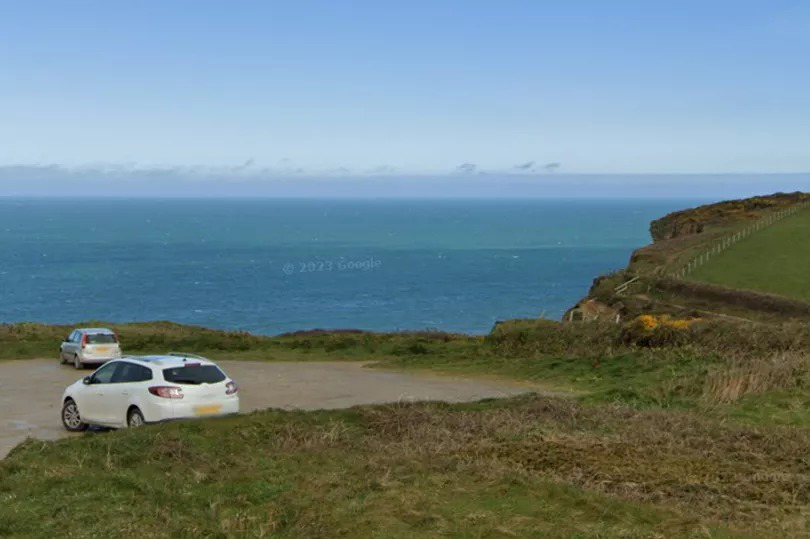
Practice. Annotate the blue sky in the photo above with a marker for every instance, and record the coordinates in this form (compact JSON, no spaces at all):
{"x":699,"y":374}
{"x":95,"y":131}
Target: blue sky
{"x":417,"y":86}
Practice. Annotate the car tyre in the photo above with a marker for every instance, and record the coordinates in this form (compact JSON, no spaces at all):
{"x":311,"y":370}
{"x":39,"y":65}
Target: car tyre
{"x":71,"y":418}
{"x":135,"y":419}
{"x":77,"y":363}
{"x":61,"y":358}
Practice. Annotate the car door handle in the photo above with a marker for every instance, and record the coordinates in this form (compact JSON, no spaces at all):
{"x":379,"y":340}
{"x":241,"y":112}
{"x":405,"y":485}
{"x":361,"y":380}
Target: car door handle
{"x":125,"y":392}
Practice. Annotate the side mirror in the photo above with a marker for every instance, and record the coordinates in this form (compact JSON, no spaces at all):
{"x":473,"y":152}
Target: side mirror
{"x":87,"y":381}
{"x":67,"y":339}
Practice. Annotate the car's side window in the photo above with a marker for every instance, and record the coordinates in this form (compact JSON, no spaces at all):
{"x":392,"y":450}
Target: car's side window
{"x":122,"y":372}
{"x":72,"y":337}
{"x":130,"y":372}
{"x":106,"y":373}
{"x":77,"y":336}
{"x":144,"y":374}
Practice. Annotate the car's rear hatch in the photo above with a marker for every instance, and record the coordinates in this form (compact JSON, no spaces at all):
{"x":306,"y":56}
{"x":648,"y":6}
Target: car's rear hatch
{"x":203,"y":385}
{"x":101,"y":345}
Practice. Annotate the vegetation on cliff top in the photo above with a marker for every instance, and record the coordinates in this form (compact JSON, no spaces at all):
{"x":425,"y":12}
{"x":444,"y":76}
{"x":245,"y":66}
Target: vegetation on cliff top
{"x":697,"y":220}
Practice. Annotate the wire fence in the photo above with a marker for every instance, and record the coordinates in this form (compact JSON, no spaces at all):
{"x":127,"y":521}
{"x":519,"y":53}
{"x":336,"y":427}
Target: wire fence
{"x":724,"y":243}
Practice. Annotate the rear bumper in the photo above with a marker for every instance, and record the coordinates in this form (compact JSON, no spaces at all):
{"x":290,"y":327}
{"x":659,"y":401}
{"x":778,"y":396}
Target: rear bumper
{"x":159,"y":409}
{"x":96,"y":360}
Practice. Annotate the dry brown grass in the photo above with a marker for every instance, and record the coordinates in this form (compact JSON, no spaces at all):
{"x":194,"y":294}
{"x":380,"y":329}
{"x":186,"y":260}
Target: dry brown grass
{"x":740,"y":376}
{"x":739,"y":476}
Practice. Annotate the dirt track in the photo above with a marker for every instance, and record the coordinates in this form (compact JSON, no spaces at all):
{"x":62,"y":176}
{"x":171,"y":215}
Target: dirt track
{"x":30,"y":391}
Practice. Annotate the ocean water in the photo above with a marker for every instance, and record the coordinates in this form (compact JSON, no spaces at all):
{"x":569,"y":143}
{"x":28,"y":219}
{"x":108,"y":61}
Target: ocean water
{"x":272,"y":266}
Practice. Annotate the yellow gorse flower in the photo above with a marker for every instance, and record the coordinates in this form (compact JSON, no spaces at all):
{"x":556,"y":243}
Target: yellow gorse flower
{"x":650,"y":322}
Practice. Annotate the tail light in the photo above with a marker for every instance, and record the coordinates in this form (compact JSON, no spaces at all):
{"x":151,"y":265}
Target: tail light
{"x":167,"y":392}
{"x":115,"y":337}
{"x":84,"y":341}
{"x":230,"y":388}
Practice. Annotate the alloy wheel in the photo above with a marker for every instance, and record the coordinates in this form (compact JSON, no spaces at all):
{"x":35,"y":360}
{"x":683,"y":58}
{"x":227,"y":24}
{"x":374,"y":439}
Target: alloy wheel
{"x":71,"y":417}
{"x":135,"y":419}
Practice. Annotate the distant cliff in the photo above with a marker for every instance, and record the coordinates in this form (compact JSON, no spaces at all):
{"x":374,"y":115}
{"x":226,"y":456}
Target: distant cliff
{"x":697,"y":220}
{"x":647,"y":284}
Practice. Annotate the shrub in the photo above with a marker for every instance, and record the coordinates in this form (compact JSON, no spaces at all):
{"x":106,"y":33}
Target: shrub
{"x":655,"y":332}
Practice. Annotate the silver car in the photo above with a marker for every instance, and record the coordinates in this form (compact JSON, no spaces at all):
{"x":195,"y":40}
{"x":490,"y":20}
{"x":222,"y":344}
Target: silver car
{"x":86,"y":346}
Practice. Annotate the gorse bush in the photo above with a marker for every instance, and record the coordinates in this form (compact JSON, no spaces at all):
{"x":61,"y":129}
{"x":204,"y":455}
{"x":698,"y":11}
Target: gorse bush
{"x":656,"y":331}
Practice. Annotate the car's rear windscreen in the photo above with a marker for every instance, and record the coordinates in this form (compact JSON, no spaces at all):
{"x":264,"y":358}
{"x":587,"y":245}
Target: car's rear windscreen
{"x":194,"y":374}
{"x":101,"y":338}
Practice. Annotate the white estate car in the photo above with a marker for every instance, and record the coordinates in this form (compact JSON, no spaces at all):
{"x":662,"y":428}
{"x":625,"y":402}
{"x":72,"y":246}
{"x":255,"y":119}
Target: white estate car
{"x":86,"y":346}
{"x":134,"y":390}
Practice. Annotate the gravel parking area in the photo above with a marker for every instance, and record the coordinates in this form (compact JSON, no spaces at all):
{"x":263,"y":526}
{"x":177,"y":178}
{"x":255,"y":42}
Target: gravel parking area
{"x":30,"y":391}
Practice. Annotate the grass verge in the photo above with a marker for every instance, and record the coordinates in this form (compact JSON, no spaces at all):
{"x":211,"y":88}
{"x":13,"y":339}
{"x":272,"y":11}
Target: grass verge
{"x":524,"y":467}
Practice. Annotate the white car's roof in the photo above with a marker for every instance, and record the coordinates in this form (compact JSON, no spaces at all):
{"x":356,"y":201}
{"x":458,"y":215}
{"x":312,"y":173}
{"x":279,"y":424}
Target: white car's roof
{"x":171,"y":360}
{"x":95,"y":330}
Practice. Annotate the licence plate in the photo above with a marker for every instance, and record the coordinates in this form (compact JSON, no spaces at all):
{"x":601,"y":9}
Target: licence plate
{"x":208,"y":410}
{"x":101,"y":349}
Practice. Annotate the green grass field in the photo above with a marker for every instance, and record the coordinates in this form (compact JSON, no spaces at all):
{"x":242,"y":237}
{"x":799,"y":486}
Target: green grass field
{"x":775,"y":259}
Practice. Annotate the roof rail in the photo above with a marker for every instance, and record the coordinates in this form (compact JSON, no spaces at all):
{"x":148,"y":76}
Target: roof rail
{"x":185,"y":354}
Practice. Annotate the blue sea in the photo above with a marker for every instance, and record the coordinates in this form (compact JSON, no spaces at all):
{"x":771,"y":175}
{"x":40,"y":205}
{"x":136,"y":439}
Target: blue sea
{"x":271,"y":266}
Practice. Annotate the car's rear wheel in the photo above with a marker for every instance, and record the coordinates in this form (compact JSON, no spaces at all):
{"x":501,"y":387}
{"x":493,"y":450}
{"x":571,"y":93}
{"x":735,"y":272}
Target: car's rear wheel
{"x":135,"y":418}
{"x":71,"y":418}
{"x":77,"y":362}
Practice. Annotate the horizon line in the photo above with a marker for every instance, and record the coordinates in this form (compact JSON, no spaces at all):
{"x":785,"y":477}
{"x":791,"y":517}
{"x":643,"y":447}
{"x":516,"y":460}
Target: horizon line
{"x":344,"y":173}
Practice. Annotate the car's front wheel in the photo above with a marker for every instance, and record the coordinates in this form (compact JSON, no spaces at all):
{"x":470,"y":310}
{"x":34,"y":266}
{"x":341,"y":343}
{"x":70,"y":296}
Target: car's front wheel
{"x":71,"y":418}
{"x":135,"y":418}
